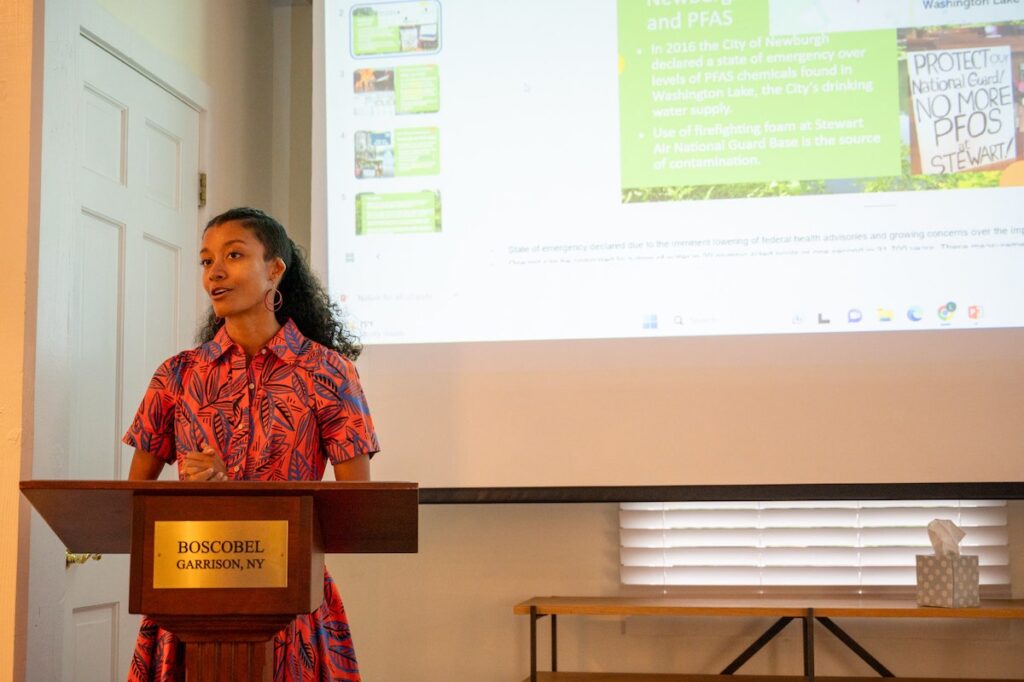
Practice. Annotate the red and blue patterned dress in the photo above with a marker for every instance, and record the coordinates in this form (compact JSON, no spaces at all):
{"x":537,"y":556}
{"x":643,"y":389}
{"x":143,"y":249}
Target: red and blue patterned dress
{"x":279,"y":417}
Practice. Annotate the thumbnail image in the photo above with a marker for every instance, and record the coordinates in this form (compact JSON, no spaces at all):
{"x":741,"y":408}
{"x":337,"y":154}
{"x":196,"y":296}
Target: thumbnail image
{"x":414,"y":89}
{"x":396,"y":28}
{"x":375,"y":155}
{"x":402,"y":152}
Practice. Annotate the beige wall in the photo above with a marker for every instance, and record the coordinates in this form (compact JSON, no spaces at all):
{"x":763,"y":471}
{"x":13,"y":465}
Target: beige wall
{"x":301,"y":120}
{"x":237,"y":35}
{"x":293,"y":119}
{"x":17,"y":189}
{"x":178,"y":29}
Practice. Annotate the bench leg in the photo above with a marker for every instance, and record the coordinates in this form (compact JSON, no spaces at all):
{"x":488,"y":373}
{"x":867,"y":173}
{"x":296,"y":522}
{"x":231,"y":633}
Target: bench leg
{"x":855,"y":647}
{"x":554,"y":643}
{"x":533,"y":644}
{"x":534,"y":617}
{"x":809,"y":645}
{"x":768,"y":635}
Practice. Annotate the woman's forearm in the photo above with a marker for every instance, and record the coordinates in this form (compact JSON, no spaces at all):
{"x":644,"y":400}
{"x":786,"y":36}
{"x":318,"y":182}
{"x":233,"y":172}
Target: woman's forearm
{"x":145,"y":467}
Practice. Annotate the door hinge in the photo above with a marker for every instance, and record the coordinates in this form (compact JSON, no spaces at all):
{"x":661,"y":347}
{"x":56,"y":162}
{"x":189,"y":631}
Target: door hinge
{"x":202,"y":190}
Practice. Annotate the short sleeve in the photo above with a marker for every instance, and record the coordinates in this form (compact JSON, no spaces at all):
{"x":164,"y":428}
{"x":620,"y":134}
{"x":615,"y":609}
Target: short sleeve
{"x":152,"y":429}
{"x":342,"y":415}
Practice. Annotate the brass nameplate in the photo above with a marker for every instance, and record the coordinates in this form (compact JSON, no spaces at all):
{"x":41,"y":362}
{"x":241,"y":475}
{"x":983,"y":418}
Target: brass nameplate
{"x":205,"y":554}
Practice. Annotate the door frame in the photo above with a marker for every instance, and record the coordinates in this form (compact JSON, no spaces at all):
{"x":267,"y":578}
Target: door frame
{"x":39,"y":618}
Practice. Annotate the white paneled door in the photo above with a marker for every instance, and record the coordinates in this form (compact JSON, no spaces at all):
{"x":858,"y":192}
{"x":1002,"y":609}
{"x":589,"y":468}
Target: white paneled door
{"x":130,"y":306}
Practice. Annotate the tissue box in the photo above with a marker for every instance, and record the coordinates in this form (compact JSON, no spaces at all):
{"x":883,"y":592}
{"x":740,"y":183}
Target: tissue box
{"x":950,"y":581}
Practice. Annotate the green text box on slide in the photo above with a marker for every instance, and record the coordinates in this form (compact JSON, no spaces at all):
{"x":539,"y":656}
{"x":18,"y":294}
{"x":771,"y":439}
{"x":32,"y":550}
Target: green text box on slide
{"x":417,"y":151}
{"x":708,"y":97}
{"x":417,"y":89}
{"x":398,"y":213}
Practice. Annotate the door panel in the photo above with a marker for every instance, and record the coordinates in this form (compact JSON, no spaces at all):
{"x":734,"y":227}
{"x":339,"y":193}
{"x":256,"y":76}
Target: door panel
{"x":104,"y":134}
{"x":160,"y":307}
{"x":96,"y":648}
{"x":132,"y":305}
{"x":96,"y":322}
{"x":163,"y":165}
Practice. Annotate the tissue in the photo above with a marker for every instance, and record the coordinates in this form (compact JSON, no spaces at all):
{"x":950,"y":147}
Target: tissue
{"x":945,"y":537}
{"x":947,"y":578}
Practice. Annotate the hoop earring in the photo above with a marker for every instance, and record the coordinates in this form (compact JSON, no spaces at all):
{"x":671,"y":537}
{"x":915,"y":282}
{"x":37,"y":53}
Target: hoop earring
{"x":273,"y":300}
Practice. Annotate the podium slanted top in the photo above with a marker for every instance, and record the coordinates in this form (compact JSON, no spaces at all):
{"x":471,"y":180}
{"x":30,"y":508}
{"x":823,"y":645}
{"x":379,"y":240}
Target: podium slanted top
{"x":355,"y":517}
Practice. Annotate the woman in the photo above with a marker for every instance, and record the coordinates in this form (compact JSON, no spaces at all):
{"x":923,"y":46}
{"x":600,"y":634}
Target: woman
{"x":270,"y":395}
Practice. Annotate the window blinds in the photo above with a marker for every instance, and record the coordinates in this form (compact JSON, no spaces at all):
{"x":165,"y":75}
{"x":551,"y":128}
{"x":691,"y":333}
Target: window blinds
{"x":802,"y":544}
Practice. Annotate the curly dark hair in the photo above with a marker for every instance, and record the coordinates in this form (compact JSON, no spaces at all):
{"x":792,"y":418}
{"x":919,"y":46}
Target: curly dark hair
{"x":305,"y":300}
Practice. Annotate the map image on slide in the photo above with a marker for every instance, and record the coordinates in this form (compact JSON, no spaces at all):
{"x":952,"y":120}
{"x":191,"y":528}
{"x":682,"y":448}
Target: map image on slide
{"x":714,"y":104}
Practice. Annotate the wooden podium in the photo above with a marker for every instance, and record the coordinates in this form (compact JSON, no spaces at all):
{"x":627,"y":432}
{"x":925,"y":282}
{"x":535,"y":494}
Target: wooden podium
{"x":226,"y":565}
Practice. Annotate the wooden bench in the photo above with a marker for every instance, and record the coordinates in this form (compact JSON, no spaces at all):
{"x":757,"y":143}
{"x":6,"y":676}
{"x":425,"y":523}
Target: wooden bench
{"x":641,"y":677}
{"x":808,"y":611}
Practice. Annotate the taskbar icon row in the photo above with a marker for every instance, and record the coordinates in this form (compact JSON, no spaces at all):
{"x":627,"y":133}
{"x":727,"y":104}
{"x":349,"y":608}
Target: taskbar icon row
{"x":945,"y":314}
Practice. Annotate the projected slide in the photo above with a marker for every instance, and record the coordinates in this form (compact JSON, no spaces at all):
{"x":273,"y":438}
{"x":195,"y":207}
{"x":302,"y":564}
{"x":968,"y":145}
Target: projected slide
{"x":643,"y":168}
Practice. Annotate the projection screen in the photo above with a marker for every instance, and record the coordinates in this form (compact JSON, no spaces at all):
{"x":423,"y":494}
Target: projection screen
{"x":670,"y":242}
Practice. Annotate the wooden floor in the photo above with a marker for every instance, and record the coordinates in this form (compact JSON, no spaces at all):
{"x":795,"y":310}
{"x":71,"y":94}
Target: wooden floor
{"x":640,"y":677}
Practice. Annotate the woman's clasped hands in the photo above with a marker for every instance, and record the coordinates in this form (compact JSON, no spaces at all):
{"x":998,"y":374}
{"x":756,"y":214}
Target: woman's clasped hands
{"x":205,"y":465}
